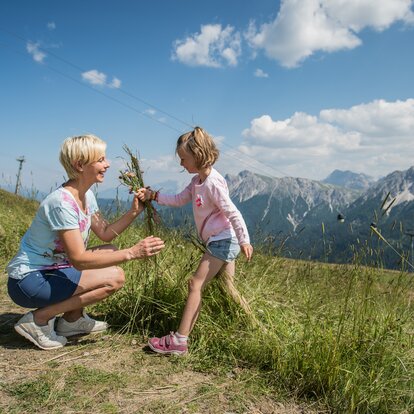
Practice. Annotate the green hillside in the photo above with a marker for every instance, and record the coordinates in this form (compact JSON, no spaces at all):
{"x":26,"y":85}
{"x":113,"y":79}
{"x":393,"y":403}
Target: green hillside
{"x":337,"y":336}
{"x":16,"y":214}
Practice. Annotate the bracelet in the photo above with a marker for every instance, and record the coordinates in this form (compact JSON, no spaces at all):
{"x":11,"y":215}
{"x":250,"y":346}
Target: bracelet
{"x":154,"y":196}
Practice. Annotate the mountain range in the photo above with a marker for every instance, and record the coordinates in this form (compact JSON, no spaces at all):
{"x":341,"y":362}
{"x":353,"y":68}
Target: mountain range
{"x":362,"y":218}
{"x":347,"y":216}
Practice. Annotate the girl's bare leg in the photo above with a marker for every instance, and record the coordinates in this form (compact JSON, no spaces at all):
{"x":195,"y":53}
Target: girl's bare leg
{"x":208,"y":268}
{"x":94,"y":286}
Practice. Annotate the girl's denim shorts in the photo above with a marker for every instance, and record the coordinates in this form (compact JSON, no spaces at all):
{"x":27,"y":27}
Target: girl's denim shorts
{"x":225,"y":249}
{"x":41,"y":288}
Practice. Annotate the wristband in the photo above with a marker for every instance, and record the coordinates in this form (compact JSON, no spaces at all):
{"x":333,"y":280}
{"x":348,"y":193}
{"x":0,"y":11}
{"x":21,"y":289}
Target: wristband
{"x":154,"y":196}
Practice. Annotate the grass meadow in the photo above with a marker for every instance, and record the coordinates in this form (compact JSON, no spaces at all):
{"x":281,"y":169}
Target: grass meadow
{"x":338,"y":338}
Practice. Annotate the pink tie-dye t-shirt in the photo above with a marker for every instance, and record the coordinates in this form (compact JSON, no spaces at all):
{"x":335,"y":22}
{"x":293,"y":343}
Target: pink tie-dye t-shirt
{"x":41,"y":247}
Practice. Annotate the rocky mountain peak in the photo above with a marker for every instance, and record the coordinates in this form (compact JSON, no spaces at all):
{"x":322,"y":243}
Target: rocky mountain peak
{"x":349,"y":179}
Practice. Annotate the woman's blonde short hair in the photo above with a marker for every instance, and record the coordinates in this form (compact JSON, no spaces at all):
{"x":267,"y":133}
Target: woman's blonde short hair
{"x":201,"y":145}
{"x":82,"y":150}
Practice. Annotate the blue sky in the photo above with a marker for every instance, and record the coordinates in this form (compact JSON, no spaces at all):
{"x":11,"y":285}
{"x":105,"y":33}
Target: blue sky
{"x":297,"y":87}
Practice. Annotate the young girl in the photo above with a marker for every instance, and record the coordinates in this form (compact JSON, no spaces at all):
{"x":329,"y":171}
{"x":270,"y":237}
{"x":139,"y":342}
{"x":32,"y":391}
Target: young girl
{"x":219,"y":224}
{"x":53,"y":272}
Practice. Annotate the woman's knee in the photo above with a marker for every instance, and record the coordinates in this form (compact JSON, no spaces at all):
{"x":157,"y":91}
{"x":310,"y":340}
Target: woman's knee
{"x":119,"y":278}
{"x":115,"y":279}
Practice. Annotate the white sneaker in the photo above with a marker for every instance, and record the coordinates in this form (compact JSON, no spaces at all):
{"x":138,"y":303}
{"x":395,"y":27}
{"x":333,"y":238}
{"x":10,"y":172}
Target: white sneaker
{"x":42,"y":336}
{"x":84,"y":325}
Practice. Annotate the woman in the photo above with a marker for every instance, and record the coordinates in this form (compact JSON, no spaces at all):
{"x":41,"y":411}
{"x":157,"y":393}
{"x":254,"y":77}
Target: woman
{"x":53,"y":270}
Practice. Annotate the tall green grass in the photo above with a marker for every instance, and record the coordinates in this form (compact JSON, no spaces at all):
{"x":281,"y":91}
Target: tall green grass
{"x":16,"y":214}
{"x":339,"y":335}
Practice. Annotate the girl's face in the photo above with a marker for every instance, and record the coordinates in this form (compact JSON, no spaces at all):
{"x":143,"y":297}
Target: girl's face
{"x":96,"y":170}
{"x":187,"y":161}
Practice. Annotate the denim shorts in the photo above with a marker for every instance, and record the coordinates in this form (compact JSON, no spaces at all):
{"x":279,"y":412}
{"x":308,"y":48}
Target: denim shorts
{"x":225,"y":249}
{"x":42,"y":288}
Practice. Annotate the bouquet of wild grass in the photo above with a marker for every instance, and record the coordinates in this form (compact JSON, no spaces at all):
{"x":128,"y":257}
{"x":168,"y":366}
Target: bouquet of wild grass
{"x":132,"y":177}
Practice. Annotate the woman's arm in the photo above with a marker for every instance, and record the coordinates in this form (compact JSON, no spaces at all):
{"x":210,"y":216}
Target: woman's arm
{"x":83,"y":259}
{"x":108,"y":231}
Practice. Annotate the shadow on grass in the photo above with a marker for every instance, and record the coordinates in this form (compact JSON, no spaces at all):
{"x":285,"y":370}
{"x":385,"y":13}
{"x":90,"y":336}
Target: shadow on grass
{"x":7,"y":321}
{"x":9,"y":339}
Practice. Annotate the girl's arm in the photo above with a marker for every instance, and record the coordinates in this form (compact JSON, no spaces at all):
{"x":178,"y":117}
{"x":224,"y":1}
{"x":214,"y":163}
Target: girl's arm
{"x":83,"y":259}
{"x":228,"y":208}
{"x":223,"y":202}
{"x":106,"y":231}
{"x":177,"y":200}
{"x":247,"y":250}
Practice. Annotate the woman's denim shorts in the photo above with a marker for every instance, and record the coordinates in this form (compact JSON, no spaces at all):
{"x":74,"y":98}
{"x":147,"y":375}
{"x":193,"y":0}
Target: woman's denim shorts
{"x":225,"y":249}
{"x":42,"y":288}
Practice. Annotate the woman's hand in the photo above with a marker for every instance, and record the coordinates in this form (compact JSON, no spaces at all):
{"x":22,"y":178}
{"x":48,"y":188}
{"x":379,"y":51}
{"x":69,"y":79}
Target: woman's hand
{"x":149,"y":246}
{"x":136,"y":206}
{"x":247,"y":250}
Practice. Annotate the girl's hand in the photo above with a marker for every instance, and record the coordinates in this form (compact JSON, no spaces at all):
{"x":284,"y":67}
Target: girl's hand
{"x":247,"y":250}
{"x":144,"y":193}
{"x":149,"y":246}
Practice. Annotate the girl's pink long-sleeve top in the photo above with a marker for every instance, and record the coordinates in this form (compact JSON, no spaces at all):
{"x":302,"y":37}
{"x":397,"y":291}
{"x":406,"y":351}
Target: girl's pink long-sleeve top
{"x":213,"y":209}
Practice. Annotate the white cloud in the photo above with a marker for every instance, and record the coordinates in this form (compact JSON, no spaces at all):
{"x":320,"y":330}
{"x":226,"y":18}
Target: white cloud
{"x":95,"y":77}
{"x":164,"y":168}
{"x":359,"y":14}
{"x":213,"y":47}
{"x":259,"y":73}
{"x":300,"y":131}
{"x":51,"y":25}
{"x":375,"y":138}
{"x":302,"y":28}
{"x":116,"y":83}
{"x":377,"y":120}
{"x":34,"y":50}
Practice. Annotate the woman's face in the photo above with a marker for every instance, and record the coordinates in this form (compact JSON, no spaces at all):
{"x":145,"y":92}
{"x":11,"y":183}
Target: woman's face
{"x":95,"y":171}
{"x":187,"y":161}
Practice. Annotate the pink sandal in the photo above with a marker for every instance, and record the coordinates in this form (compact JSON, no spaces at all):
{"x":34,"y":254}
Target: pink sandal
{"x":167,"y":345}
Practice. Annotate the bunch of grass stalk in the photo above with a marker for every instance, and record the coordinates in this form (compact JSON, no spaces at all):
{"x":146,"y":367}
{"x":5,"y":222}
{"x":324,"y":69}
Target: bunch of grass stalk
{"x":132,"y":177}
